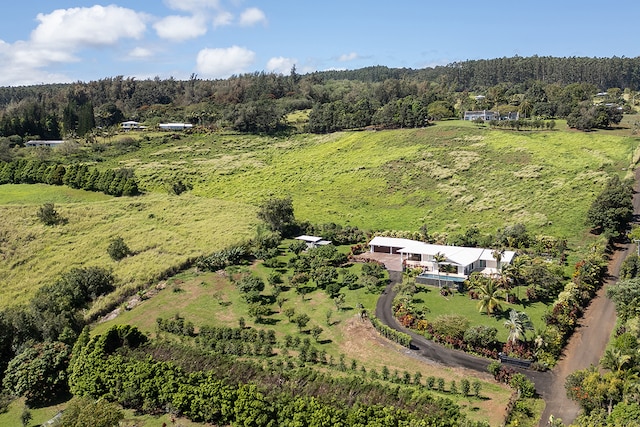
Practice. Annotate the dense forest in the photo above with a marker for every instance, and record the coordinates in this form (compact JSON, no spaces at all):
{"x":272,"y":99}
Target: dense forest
{"x":535,"y":87}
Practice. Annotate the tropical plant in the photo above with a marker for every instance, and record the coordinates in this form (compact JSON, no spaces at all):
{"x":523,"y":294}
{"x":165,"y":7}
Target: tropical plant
{"x":490,"y":292}
{"x":615,"y":360}
{"x":518,"y":324}
{"x":439,"y":258}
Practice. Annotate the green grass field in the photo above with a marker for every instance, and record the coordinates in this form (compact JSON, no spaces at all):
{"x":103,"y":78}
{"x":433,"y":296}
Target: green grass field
{"x":163,"y":231}
{"x":449,"y":176}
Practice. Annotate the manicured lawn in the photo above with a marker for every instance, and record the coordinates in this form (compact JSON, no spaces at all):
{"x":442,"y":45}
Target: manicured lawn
{"x":460,"y":303}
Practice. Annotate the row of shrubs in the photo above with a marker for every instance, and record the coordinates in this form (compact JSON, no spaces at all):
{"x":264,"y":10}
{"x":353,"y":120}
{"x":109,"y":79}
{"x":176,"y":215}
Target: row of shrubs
{"x":151,"y":379}
{"x":119,"y":182}
{"x":389,"y":333}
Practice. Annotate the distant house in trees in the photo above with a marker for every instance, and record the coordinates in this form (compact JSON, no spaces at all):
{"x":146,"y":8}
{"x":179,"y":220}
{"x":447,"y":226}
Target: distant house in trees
{"x":485,"y":115}
{"x":43,"y":143}
{"x":131,"y":125}
{"x":175,"y":126}
{"x":313,"y":241}
{"x":488,"y":115}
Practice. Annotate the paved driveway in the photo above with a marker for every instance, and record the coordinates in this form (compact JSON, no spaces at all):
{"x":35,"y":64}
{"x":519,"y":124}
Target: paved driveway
{"x":392,"y":262}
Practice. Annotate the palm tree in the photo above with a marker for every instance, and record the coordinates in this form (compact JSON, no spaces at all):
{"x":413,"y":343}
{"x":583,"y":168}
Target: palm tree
{"x":497,"y":255}
{"x":518,"y":324}
{"x":490,"y":292}
{"x":525,"y":108}
{"x":438,"y":258}
{"x":615,"y":360}
{"x":514,"y":272}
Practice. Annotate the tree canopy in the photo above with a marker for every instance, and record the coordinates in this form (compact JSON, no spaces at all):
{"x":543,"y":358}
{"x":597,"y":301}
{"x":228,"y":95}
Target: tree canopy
{"x":612,"y":209}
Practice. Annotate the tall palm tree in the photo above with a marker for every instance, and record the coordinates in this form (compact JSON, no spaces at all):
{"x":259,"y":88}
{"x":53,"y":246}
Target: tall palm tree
{"x":513,"y":273}
{"x":497,"y":255}
{"x":439,"y":258}
{"x":518,"y":324}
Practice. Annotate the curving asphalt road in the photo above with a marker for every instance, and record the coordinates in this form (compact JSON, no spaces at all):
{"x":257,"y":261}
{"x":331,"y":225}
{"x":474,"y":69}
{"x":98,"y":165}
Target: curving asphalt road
{"x":438,"y":353}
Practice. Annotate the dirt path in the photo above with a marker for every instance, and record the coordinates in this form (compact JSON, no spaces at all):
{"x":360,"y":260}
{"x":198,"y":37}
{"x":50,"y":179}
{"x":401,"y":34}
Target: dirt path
{"x":590,"y":339}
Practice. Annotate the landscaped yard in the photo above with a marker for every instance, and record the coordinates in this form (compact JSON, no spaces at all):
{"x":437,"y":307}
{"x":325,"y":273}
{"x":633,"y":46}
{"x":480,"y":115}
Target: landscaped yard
{"x":460,"y":303}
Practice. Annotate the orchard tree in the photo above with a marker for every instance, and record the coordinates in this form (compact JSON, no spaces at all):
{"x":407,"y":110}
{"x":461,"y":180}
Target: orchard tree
{"x":301,"y":321}
{"x":278,"y":215}
{"x":39,"y":372}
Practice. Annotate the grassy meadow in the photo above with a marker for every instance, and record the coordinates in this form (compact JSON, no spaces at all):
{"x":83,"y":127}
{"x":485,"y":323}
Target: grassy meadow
{"x":449,"y":176}
{"x":163,"y":231}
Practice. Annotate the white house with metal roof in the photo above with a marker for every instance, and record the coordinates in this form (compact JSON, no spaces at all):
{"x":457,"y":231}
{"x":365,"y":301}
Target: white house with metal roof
{"x":44,"y":143}
{"x":175,"y":126}
{"x":313,"y":241}
{"x":131,"y":125}
{"x":461,"y":261}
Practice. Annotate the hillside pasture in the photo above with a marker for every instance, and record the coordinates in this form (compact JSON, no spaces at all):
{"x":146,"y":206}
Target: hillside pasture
{"x":162,"y":231}
{"x":449,"y":176}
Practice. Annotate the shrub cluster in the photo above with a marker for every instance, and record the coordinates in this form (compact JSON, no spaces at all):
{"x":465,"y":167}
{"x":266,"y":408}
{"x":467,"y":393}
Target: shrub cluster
{"x":218,"y":260}
{"x":389,"y":333}
{"x":177,"y":326}
{"x":120,"y":182}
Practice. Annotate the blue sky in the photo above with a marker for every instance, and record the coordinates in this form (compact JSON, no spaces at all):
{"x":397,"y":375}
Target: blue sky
{"x":65,"y":41}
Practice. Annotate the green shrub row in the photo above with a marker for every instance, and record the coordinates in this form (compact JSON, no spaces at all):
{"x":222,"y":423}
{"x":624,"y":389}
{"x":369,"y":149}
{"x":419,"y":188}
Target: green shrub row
{"x":389,"y":333}
{"x":120,"y":182}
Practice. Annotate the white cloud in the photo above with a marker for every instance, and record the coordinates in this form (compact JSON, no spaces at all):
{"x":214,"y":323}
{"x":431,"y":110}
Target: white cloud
{"x":95,"y":26}
{"x":252,"y":16}
{"x":192,"y":5}
{"x":223,"y":62}
{"x":60,"y":36}
{"x":348,"y":57}
{"x":222,"y":19}
{"x":180,"y":28}
{"x":280,"y":65}
{"x":20,"y":65}
{"x":140,"y":53}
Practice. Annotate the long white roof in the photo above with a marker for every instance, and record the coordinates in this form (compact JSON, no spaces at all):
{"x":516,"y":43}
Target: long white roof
{"x":459,"y":255}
